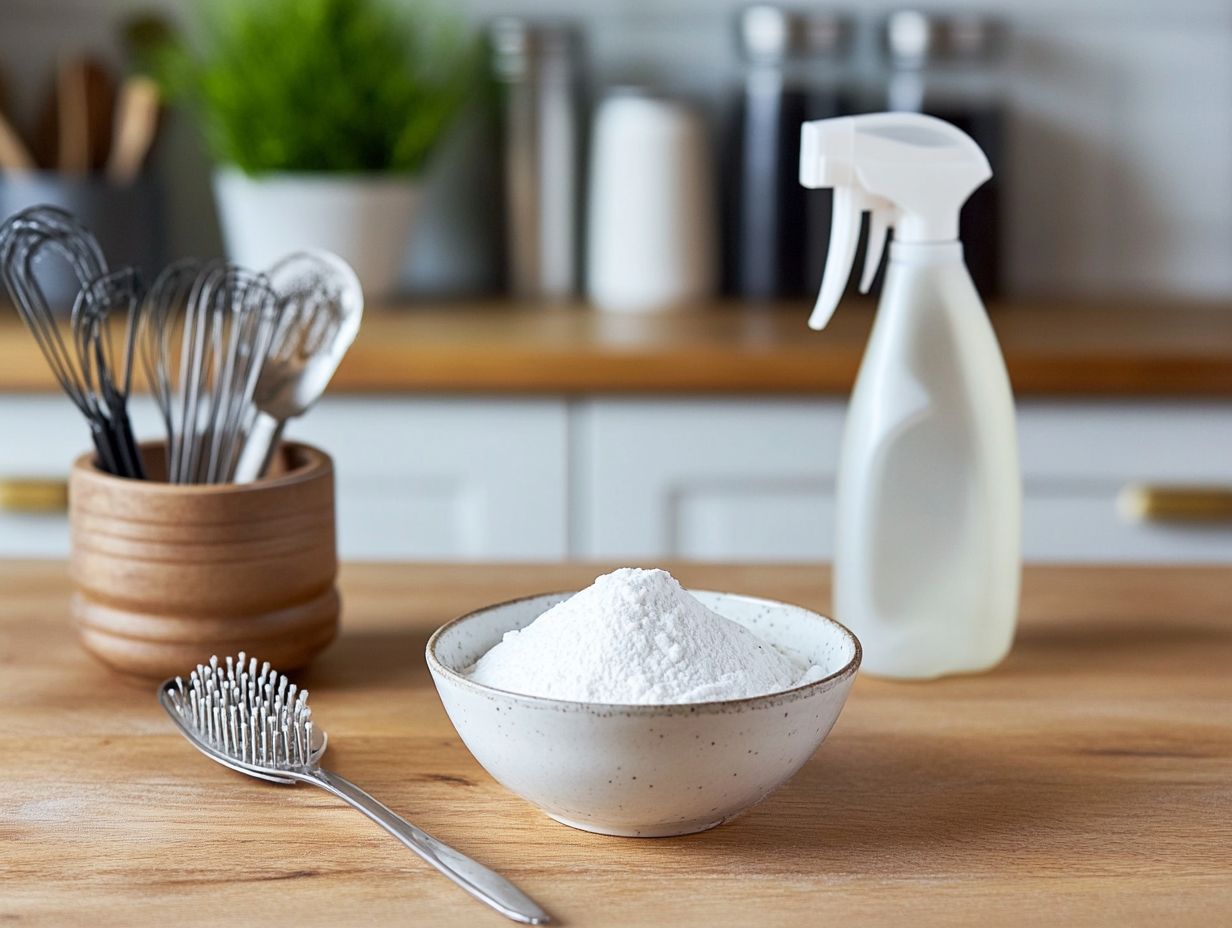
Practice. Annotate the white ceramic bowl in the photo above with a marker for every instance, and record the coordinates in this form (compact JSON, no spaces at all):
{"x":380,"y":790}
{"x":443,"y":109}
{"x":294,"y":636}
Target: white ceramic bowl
{"x":645,"y":771}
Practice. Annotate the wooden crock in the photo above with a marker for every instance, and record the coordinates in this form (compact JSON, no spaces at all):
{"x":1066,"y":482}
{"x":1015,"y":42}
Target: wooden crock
{"x":165,"y":575}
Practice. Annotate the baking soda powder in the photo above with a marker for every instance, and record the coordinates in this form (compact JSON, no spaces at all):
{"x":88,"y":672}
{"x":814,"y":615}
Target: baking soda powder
{"x":637,"y":637}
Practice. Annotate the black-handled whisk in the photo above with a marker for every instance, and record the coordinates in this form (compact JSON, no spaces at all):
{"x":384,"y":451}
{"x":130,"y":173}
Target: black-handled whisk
{"x":108,"y":373}
{"x":86,"y":368}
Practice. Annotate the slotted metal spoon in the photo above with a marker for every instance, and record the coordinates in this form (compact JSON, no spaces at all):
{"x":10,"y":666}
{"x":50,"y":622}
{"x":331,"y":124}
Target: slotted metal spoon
{"x":254,"y":721}
{"x":320,"y":303}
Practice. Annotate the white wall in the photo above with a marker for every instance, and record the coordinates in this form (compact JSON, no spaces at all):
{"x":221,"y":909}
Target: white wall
{"x":1121,"y":175}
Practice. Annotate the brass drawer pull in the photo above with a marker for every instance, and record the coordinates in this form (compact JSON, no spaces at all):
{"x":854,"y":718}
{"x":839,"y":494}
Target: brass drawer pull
{"x":1147,"y":502}
{"x":33,"y":495}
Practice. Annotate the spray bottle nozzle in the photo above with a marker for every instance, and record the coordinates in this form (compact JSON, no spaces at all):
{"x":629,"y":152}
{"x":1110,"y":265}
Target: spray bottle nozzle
{"x":908,"y":171}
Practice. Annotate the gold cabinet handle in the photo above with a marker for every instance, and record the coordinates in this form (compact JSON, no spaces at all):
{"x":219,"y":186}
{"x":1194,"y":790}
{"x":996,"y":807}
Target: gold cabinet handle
{"x":1148,"y":502}
{"x":28,"y":495}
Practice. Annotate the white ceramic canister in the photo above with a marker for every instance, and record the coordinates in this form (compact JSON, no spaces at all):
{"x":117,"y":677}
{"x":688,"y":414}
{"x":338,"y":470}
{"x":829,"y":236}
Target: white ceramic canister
{"x":651,"y":214}
{"x":363,"y":218}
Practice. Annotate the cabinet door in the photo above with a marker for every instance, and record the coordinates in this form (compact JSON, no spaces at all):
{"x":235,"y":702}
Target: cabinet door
{"x":432,"y":479}
{"x":754,"y":480}
{"x":1078,"y":458}
{"x":43,"y":435}
{"x":711,"y":479}
{"x":445,"y":479}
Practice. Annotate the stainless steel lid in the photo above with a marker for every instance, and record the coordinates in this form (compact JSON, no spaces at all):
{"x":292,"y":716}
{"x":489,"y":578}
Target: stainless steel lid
{"x":913,"y":38}
{"x":768,"y":34}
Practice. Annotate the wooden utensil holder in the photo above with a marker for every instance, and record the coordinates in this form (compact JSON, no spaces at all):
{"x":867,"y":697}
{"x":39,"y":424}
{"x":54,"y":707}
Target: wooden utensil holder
{"x":165,"y":575}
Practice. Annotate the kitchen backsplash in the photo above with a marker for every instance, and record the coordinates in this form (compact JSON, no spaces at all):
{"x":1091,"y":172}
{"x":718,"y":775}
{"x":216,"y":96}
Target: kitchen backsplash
{"x":1119,"y":125}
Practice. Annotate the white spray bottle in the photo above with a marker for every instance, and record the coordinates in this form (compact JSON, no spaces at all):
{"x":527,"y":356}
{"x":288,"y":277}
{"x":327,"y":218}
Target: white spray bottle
{"x":929,"y":509}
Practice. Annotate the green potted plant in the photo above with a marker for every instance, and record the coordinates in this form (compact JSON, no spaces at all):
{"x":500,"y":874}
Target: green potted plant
{"x":320,"y":114}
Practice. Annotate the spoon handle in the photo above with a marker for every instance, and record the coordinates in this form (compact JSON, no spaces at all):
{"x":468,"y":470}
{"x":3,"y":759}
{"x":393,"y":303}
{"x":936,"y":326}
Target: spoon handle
{"x":485,"y":885}
{"x":258,"y":450}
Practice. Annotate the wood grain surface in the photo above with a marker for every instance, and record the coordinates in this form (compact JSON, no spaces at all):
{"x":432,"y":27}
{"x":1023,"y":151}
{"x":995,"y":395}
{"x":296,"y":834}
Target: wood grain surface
{"x":1087,"y":781}
{"x":164,"y":571}
{"x":1052,"y":347}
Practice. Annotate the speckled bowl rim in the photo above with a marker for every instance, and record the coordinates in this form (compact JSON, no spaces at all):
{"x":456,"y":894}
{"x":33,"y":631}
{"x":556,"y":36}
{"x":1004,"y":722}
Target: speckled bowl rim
{"x":765,"y":701}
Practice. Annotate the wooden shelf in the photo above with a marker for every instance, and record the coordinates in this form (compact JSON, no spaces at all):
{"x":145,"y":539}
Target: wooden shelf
{"x":1052,"y":347}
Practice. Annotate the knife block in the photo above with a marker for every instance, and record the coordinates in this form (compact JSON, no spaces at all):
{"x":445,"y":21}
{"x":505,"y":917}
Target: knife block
{"x":165,"y":575}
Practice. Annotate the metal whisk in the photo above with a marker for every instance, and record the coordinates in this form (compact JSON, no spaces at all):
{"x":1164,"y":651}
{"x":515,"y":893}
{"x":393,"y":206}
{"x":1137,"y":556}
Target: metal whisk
{"x":229,"y":356}
{"x":205,"y":340}
{"x":159,"y":340}
{"x":108,"y":374}
{"x":83,"y":369}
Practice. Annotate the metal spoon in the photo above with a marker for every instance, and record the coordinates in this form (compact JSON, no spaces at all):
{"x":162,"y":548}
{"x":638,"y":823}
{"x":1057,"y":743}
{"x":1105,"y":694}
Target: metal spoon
{"x":320,"y":306}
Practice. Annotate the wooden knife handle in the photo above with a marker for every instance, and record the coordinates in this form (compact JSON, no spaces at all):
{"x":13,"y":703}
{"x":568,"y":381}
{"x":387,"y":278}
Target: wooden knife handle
{"x":14,"y":156}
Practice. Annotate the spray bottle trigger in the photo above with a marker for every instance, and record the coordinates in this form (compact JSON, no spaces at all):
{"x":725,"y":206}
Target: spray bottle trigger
{"x":844,"y":231}
{"x":878,"y":232}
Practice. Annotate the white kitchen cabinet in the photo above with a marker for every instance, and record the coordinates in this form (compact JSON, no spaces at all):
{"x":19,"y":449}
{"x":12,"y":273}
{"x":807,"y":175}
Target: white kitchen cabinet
{"x":754,"y":479}
{"x":711,"y":479}
{"x":645,"y":479}
{"x":1079,"y":457}
{"x":431,"y":479}
{"x":446,"y":478}
{"x":43,"y":435}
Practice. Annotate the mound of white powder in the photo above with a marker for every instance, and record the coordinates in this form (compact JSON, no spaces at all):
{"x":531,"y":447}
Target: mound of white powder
{"x":636,"y":637}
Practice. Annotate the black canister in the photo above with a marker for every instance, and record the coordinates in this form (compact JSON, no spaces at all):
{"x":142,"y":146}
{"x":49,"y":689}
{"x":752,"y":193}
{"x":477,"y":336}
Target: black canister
{"x":775,"y":232}
{"x":947,"y":66}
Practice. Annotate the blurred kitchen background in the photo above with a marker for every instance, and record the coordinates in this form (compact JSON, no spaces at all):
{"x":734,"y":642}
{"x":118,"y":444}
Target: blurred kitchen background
{"x":586,"y":331}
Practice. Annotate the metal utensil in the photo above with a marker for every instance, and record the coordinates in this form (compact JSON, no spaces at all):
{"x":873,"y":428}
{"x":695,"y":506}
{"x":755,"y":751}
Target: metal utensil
{"x":233,"y":319}
{"x":228,"y":322}
{"x":159,"y":338}
{"x":107,"y":374}
{"x":207,"y":334}
{"x":257,"y":723}
{"x":25,"y":239}
{"x":320,"y":306}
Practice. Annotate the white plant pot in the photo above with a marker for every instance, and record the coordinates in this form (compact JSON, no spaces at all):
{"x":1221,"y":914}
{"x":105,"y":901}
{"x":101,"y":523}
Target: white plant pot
{"x":365,"y":219}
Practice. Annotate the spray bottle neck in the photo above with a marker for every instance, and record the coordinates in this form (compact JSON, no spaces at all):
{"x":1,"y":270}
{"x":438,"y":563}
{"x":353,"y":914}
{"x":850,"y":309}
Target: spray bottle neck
{"x":925,"y":254}
{"x":916,"y":229}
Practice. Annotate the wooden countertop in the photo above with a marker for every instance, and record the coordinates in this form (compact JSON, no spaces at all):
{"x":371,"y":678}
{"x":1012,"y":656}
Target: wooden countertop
{"x":1087,"y":781}
{"x":1052,"y":348}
